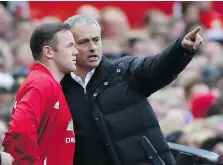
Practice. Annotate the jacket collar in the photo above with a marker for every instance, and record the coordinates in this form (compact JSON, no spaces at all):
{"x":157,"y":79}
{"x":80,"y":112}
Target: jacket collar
{"x":100,"y":74}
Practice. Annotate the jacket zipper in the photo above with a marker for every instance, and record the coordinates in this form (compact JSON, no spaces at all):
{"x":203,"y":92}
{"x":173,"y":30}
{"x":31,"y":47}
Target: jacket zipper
{"x":108,"y":139}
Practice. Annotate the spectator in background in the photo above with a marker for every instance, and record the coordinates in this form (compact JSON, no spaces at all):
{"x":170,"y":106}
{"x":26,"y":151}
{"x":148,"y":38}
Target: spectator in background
{"x":89,"y":10}
{"x":114,"y":28}
{"x":23,"y":60}
{"x":49,"y":19}
{"x":3,"y":130}
{"x":176,"y":28}
{"x":190,"y":11}
{"x":201,"y":103}
{"x":156,"y":23}
{"x":6,"y":97}
{"x":5,"y":22}
{"x":193,"y":85}
{"x":219,"y":86}
{"x":114,"y":23}
{"x":6,"y":58}
{"x":22,"y":30}
{"x":19,"y":9}
{"x":139,"y":44}
{"x":213,"y":53}
{"x":210,"y":18}
{"x":112,"y":49}
{"x":8,"y":88}
{"x":216,"y":108}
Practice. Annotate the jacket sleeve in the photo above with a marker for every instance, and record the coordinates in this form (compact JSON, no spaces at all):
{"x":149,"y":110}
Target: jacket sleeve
{"x":22,"y":133}
{"x":151,"y":73}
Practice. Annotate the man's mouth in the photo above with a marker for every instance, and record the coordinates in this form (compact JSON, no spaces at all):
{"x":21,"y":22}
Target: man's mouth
{"x":74,"y":61}
{"x":93,"y":57}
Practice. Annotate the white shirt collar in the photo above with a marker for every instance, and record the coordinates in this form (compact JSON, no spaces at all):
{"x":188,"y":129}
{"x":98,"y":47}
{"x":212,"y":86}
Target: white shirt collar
{"x":87,"y":78}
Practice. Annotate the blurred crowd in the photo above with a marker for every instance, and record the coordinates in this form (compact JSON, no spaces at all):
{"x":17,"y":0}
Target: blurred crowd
{"x":189,"y":109}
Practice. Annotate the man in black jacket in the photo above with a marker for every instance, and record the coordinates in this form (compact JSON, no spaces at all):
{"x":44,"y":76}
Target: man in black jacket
{"x":113,"y":121}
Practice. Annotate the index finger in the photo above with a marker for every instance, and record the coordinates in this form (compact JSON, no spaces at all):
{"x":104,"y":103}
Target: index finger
{"x":194,"y":32}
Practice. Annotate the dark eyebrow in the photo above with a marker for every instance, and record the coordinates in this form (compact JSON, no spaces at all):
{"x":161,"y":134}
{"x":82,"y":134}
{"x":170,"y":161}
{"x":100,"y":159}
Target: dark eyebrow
{"x":84,"y":39}
{"x":87,"y":39}
{"x":97,"y":37}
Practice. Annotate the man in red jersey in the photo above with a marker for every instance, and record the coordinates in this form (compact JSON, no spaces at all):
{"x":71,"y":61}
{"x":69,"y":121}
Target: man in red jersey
{"x":41,"y":129}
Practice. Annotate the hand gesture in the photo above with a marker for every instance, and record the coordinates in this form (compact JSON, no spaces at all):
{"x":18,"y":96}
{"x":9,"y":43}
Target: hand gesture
{"x":192,"y":40}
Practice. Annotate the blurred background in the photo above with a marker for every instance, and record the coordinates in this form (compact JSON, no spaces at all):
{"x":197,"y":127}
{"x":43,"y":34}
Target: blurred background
{"x":189,"y":109}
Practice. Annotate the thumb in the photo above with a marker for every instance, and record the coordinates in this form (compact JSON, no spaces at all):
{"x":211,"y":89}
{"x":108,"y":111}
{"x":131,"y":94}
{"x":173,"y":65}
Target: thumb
{"x":193,"y":33}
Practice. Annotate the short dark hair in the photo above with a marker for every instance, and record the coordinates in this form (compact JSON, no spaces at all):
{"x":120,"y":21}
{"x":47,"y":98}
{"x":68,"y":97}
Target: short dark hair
{"x":44,"y":35}
{"x":185,"y":5}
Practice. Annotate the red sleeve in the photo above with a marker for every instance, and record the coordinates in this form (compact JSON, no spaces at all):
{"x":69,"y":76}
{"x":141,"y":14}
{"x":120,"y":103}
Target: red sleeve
{"x":22,"y":133}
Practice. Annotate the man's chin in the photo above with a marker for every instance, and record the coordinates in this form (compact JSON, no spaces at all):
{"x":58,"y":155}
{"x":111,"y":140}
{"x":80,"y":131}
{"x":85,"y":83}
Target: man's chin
{"x":74,"y":69}
{"x":94,"y":64}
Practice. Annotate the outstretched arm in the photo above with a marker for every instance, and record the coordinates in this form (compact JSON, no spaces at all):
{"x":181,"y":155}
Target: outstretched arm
{"x":151,"y":73}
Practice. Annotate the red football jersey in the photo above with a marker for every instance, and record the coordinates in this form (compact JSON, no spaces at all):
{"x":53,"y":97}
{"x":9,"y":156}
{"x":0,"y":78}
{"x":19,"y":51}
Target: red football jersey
{"x":41,"y":129}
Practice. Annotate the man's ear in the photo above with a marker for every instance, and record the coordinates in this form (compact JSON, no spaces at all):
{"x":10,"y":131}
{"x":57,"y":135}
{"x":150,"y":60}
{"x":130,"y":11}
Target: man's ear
{"x":48,"y":52}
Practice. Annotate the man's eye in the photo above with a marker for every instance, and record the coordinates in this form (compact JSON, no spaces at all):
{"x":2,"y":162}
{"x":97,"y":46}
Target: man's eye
{"x":96,"y":40}
{"x":82,"y":42}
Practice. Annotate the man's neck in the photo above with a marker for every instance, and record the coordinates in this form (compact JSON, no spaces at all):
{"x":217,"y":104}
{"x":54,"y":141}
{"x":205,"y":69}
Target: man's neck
{"x":53,"y":70}
{"x":58,"y":76}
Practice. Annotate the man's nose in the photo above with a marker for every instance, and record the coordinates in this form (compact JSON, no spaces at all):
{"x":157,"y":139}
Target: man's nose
{"x":75,"y":52}
{"x":92,"y":45}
